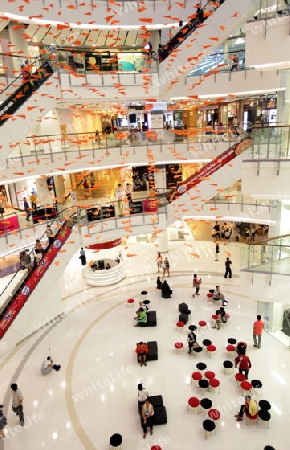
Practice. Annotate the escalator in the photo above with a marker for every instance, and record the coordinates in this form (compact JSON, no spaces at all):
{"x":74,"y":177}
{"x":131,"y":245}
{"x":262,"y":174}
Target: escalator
{"x":191,"y":48}
{"x":22,"y":109}
{"x":40,"y":288}
{"x":196,"y":20}
{"x":206,"y":183}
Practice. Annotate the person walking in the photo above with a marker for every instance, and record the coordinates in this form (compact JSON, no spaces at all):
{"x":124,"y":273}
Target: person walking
{"x":217,"y":251}
{"x":27,"y":209}
{"x":82,"y":257}
{"x":17,"y":402}
{"x":166,"y":267}
{"x":159,"y":261}
{"x":228,"y":272}
{"x":244,"y":364}
{"x":258,"y":327}
{"x":196,"y":284}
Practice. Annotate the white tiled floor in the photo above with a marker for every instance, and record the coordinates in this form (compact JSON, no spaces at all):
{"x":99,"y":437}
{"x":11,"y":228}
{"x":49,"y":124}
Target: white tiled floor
{"x":95,"y":393}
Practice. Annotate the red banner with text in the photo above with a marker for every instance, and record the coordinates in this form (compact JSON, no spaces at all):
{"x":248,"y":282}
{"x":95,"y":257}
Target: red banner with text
{"x":210,"y":168}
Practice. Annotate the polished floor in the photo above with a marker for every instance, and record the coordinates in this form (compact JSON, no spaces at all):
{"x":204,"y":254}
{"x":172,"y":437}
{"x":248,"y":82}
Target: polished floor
{"x":95,"y":393}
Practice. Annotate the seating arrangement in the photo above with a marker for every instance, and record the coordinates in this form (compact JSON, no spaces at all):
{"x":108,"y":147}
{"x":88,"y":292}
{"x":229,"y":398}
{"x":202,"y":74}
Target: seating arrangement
{"x":152,"y":351}
{"x":160,"y":413}
{"x":151,"y":320}
{"x":193,"y":404}
{"x":209,"y":427}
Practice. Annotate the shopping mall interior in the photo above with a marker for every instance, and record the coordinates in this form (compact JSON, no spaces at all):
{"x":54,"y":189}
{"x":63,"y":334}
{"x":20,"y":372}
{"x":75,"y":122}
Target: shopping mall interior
{"x":132,"y":132}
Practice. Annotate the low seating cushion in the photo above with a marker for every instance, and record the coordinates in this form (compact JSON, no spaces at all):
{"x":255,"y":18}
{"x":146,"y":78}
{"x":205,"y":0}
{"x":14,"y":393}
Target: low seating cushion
{"x":153,"y":351}
{"x":156,"y":400}
{"x":151,"y":320}
{"x":160,"y":415}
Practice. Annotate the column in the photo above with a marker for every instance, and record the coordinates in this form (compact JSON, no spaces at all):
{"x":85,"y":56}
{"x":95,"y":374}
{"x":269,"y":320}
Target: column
{"x":19,"y":44}
{"x":59,"y":186}
{"x":45,"y":195}
{"x":163,"y":241}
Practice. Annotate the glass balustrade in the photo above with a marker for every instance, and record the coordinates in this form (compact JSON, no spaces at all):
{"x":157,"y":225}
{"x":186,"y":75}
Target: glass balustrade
{"x":269,"y":256}
{"x":79,"y":142}
{"x":269,"y":142}
{"x":268,"y":9}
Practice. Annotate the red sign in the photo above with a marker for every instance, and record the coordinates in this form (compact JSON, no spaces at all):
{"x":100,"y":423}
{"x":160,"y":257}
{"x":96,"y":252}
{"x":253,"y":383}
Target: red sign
{"x":105,"y":245}
{"x":33,"y":280}
{"x":210,"y":168}
{"x":9,"y":224}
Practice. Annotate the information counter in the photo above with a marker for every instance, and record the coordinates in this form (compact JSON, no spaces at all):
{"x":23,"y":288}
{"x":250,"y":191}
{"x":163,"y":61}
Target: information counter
{"x":104,"y":277}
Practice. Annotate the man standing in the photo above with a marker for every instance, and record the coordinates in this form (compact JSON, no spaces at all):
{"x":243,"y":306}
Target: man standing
{"x":228,"y":271}
{"x":26,"y":208}
{"x":17,"y":402}
{"x":258,"y":327}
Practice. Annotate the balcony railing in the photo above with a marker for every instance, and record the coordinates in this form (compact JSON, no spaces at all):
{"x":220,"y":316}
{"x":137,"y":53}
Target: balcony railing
{"x":269,"y":142}
{"x":270,"y":256}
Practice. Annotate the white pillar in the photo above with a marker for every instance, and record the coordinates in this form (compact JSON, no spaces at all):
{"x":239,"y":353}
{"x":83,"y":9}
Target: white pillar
{"x":19,"y":44}
{"x":163,"y":241}
{"x":45,"y":195}
{"x":59,"y":186}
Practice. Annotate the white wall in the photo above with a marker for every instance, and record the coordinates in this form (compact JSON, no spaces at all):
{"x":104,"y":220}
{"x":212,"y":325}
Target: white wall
{"x":268,"y":42}
{"x":268,"y":182}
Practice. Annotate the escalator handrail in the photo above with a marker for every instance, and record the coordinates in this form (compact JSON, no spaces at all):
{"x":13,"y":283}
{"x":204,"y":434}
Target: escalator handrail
{"x":19,"y":76}
{"x":16,"y":100}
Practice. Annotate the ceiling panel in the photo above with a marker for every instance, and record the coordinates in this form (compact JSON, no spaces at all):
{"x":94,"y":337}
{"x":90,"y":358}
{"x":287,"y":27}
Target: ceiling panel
{"x":102,"y":38}
{"x":93,"y":37}
{"x":39,"y":34}
{"x":131,"y":37}
{"x":122,"y":35}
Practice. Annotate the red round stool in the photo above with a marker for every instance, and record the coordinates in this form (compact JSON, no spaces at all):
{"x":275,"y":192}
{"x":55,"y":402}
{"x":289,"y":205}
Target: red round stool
{"x":180,"y":325}
{"x":130,"y":302}
{"x":230,"y":349}
{"x":196,"y":376}
{"x":209,"y":375}
{"x":214,"y":414}
{"x":214,"y":316}
{"x":156,"y":447}
{"x":202,"y":324}
{"x":193,"y":404}
{"x":227,"y":316}
{"x":211,"y":349}
{"x":209,"y":296}
{"x":215,"y":384}
{"x":246,"y":387}
{"x":178,"y":346}
{"x":240,"y":377}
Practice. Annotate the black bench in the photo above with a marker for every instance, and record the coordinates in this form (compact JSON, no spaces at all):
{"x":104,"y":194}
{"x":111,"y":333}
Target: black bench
{"x":153,"y":351}
{"x":160,"y":413}
{"x":151,"y":320}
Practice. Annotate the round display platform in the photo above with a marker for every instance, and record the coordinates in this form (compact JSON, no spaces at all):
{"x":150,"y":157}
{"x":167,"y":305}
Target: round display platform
{"x":104,"y":277}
